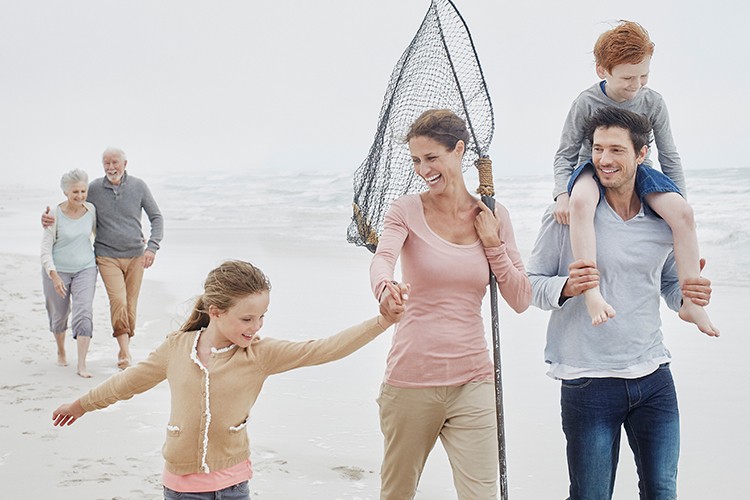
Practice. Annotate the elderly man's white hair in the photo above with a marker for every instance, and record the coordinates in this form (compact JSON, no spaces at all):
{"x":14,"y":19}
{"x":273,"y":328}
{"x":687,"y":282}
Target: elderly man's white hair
{"x":115,"y":151}
{"x":73,"y":177}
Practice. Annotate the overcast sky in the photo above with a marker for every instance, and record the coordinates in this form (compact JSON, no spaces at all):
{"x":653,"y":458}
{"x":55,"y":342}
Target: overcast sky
{"x":189,"y":86}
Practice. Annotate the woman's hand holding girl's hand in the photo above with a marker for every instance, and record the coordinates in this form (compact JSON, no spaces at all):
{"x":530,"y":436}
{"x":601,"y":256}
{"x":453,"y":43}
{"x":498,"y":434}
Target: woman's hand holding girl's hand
{"x":67,"y":414}
{"x":393,"y":301}
{"x":487,"y":226}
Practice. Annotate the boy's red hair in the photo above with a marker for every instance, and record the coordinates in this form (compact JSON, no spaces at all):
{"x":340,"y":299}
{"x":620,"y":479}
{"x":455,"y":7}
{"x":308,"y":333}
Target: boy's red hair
{"x":626,"y":43}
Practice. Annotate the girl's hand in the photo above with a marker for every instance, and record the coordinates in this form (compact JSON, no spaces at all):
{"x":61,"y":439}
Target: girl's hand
{"x":393,"y":301}
{"x":487,"y":226}
{"x":58,"y":284}
{"x":67,"y":414}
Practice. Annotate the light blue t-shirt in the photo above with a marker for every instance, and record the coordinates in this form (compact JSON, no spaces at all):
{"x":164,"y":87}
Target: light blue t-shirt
{"x":73,"y":251}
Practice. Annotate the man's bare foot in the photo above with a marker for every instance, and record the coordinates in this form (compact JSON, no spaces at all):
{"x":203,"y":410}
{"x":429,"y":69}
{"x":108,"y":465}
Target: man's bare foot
{"x":598,"y":308}
{"x":83,"y":373}
{"x":693,"y":313}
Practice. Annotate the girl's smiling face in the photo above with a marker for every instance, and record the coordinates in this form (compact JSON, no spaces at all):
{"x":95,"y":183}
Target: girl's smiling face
{"x":239,"y":324}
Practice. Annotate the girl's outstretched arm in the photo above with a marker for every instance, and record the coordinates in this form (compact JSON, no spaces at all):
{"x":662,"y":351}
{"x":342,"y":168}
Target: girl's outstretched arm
{"x":68,"y":413}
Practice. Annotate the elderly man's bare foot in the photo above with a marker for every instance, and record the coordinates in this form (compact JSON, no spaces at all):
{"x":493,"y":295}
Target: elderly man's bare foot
{"x":599,"y":310}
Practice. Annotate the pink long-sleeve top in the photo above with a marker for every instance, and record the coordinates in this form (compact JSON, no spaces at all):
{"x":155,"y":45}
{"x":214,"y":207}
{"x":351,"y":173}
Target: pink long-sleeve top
{"x":440,"y":341}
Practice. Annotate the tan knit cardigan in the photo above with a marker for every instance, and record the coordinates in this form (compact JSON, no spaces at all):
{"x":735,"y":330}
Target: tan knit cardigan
{"x":206,"y":430}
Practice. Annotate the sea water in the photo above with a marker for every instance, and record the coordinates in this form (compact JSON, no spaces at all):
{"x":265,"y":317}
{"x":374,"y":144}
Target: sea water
{"x":313,"y":210}
{"x":310,"y":211}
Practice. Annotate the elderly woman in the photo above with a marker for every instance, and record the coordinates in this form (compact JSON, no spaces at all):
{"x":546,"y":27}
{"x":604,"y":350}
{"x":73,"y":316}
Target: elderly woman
{"x":69,"y":268}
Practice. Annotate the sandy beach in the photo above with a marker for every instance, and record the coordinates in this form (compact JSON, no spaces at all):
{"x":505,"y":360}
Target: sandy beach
{"x":314,"y":432}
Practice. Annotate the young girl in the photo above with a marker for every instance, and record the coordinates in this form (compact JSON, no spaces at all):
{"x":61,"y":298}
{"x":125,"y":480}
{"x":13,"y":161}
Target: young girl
{"x":216,"y":366}
{"x":69,"y":268}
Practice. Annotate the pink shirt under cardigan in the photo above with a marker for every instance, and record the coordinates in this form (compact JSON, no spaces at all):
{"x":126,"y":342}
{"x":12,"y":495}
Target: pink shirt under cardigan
{"x":440,"y":341}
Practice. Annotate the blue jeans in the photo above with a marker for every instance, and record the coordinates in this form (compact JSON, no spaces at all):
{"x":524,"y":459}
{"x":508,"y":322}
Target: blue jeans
{"x":239,"y":491}
{"x":593,"y":413}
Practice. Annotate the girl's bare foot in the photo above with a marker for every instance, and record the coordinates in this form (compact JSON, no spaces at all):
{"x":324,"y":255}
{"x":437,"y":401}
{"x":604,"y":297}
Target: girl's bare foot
{"x":599,"y":310}
{"x":123,"y":363}
{"x":693,"y":313}
{"x":83,"y":373}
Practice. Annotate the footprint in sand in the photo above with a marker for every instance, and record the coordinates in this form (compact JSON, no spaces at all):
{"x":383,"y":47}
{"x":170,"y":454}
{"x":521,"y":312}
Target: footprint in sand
{"x":351,"y":473}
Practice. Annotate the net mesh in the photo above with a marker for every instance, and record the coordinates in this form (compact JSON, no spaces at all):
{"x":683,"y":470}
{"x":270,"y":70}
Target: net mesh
{"x":439,"y":69}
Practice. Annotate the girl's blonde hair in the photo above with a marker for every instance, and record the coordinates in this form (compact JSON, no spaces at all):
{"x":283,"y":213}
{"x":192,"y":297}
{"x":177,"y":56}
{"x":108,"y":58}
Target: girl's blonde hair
{"x":224,"y":286}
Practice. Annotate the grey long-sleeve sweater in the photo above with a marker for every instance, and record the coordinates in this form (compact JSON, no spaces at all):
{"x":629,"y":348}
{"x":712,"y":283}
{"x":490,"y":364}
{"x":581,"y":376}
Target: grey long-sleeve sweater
{"x":574,"y":149}
{"x":119,"y":208}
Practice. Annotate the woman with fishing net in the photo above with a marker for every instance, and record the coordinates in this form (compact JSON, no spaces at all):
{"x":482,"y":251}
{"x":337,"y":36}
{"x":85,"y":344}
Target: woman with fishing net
{"x":439,"y":376}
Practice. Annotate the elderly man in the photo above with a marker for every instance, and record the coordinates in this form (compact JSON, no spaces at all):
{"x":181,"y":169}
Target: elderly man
{"x":120,"y":199}
{"x":617,"y":373}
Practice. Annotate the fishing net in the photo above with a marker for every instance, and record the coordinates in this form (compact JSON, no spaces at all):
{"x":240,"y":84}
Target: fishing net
{"x":439,"y":69}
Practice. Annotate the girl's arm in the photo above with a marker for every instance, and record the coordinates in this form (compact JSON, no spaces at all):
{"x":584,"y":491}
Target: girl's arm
{"x":119,"y":387}
{"x":278,"y":356}
{"x":68,"y":413}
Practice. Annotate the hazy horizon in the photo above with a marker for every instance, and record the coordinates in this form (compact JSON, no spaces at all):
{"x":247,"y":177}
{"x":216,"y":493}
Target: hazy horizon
{"x":187,"y":86}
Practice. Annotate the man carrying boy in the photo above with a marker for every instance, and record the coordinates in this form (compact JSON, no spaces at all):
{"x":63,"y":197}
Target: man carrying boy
{"x":623,"y":58}
{"x":617,"y":373}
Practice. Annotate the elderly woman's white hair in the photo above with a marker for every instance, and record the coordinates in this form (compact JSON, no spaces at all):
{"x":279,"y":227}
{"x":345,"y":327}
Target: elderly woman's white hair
{"x":115,"y":151}
{"x":73,"y":177}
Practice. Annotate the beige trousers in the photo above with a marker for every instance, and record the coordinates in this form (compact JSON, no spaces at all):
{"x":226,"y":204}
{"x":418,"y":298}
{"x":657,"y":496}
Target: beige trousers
{"x":122,"y":278}
{"x":462,"y":417}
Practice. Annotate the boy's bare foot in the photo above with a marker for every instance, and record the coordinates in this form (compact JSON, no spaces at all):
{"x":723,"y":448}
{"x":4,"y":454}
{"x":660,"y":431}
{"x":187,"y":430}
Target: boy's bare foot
{"x":693,"y":313}
{"x":598,"y":308}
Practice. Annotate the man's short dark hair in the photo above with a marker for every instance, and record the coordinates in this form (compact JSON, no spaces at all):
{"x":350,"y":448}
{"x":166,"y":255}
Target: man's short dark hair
{"x":636,"y":124}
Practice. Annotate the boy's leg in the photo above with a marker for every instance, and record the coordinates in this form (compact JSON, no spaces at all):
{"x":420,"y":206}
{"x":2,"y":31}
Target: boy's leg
{"x":114,"y":281}
{"x":411,"y":420}
{"x":679,"y":215}
{"x":593,"y":411}
{"x":583,"y":200}
{"x":469,"y":437}
{"x":653,"y":429}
